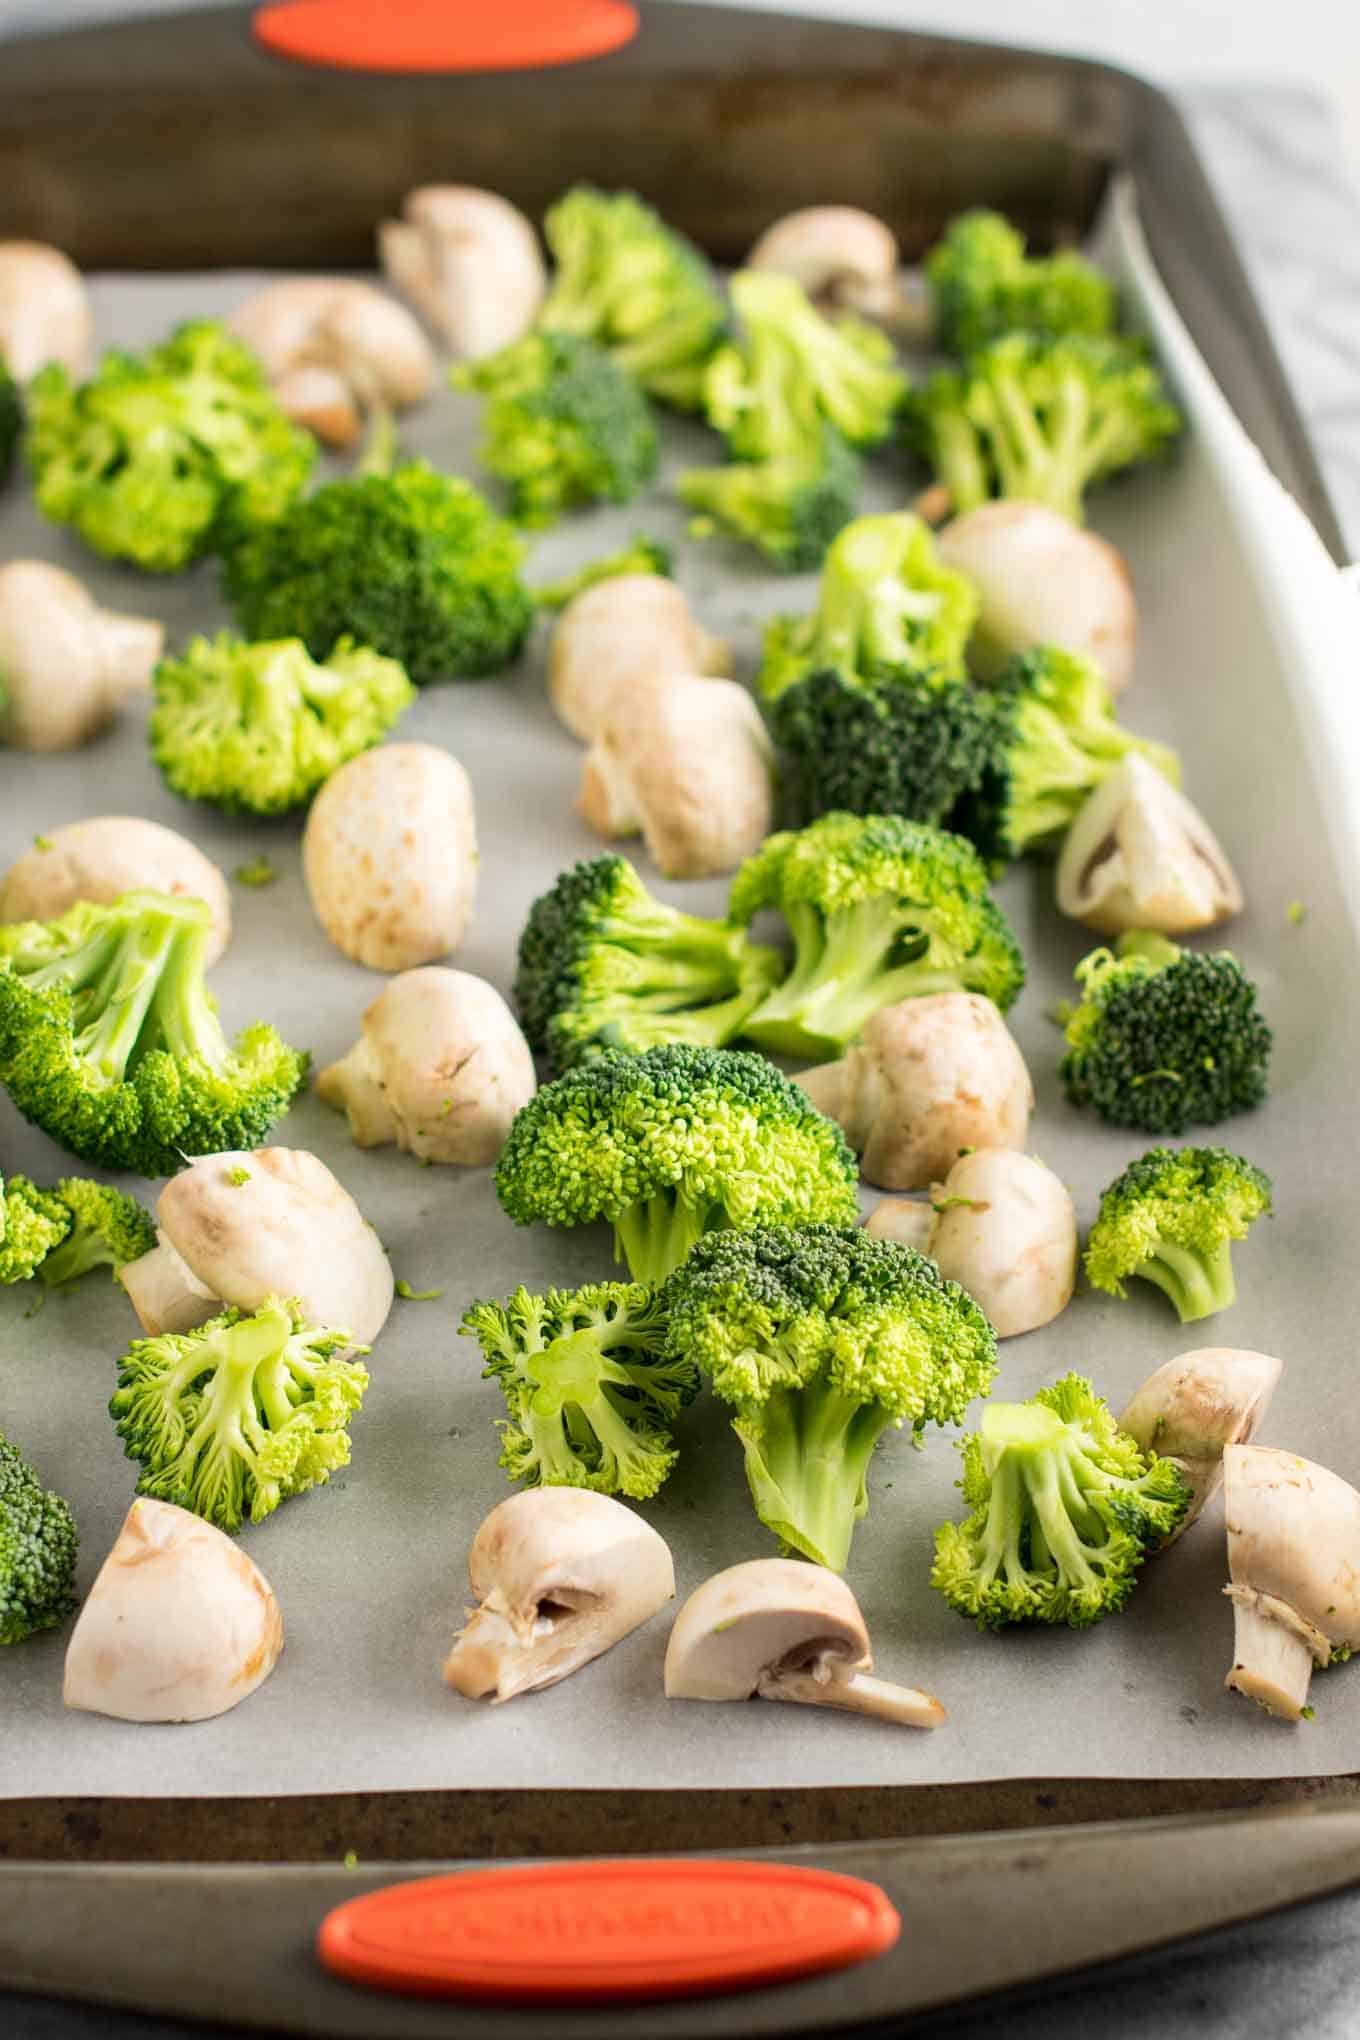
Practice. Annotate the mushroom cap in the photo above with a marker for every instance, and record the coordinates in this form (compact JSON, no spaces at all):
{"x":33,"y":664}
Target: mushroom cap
{"x":1139,"y":855}
{"x":106,"y":856}
{"x":907,"y":1220}
{"x":833,"y":251}
{"x":1294,"y":1537}
{"x":1013,"y":1244}
{"x":754,"y":1617}
{"x":1042,"y":580}
{"x":1198,"y":1403}
{"x":471,"y":263}
{"x":44,"y":310}
{"x":179,"y":1625}
{"x":67,"y":663}
{"x":333,"y":347}
{"x":389,"y":855}
{"x":609,"y":634}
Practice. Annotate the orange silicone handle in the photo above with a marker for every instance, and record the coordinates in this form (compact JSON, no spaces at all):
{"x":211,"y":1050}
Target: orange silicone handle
{"x":444,"y":35}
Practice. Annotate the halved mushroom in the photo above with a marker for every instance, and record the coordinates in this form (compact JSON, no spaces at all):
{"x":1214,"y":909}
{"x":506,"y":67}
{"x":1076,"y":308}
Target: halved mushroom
{"x":560,"y":1575}
{"x":686,"y":762}
{"x":612,"y":632}
{"x":931,"y":1076}
{"x":334,"y":349}
{"x":1197,"y":1404}
{"x":68,"y":665}
{"x":846,"y":260}
{"x":1004,"y":1229}
{"x":784,"y":1630}
{"x":179,"y":1625}
{"x":44,"y":310}
{"x":1139,"y":855}
{"x":905,"y":1220}
{"x":105,"y":857}
{"x":1042,"y":580}
{"x":469,"y":262}
{"x":1294,"y":1558}
{"x":240,"y":1228}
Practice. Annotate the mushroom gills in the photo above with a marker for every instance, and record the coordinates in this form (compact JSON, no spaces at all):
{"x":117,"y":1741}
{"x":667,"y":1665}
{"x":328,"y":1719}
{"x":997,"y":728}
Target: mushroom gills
{"x":500,"y":1654}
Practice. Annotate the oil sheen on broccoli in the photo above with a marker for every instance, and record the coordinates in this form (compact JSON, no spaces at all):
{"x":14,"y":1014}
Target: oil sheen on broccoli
{"x":37,"y":1551}
{"x":983,"y":284}
{"x":1172,"y":1219}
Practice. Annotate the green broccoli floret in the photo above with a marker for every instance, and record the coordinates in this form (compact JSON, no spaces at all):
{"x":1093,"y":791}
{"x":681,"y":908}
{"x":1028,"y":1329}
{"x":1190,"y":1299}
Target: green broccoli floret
{"x":1171,"y":1219}
{"x":604,"y":965}
{"x":107,"y":1230}
{"x":110,"y":1040}
{"x":11,"y":417}
{"x":166,"y":455}
{"x":414,"y":564}
{"x":590,"y":1397}
{"x":642,"y":555}
{"x":1041,"y":420}
{"x":630,"y":283}
{"x":1055,"y":739}
{"x":1164,"y":1038}
{"x":880,"y":909}
{"x":912,"y":746}
{"x":671,"y":1144}
{"x":792,"y":367}
{"x":564,"y":425}
{"x":1065,"y":1509}
{"x":32,"y":1223}
{"x":240,"y":1414}
{"x":983,"y":284}
{"x":887,"y":606}
{"x":821,"y":1337}
{"x":789,"y":507}
{"x":37,"y":1551}
{"x":256,"y":729}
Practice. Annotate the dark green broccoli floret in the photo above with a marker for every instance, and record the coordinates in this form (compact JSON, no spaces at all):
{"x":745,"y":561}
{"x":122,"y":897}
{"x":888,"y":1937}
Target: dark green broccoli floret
{"x":1041,"y":420}
{"x":629,"y":282}
{"x":110,"y":1040}
{"x":1163,"y":1038}
{"x":107,"y":1230}
{"x":642,"y":555}
{"x":240,"y":1414}
{"x":789,"y":507}
{"x":880,"y":909}
{"x":669,"y":1145}
{"x":821,"y":1337}
{"x":162,"y":456}
{"x":11,"y":417}
{"x":414,"y":564}
{"x":590,"y":1397}
{"x":37,"y":1551}
{"x":983,"y":284}
{"x":32,"y":1223}
{"x":604,"y":965}
{"x":1171,"y":1219}
{"x":1055,"y":739}
{"x":1065,"y":1509}
{"x":793,"y":367}
{"x":256,"y":729}
{"x":910,"y":746}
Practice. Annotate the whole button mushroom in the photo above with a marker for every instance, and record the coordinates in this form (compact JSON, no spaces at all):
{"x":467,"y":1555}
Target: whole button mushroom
{"x":1042,"y":580}
{"x":1294,"y":1561}
{"x":845,"y":259}
{"x":105,"y":857}
{"x":1194,"y":1406}
{"x":1004,"y":1229}
{"x":44,"y":310}
{"x":68,"y":665}
{"x":623,"y":627}
{"x":440,"y":1069}
{"x":469,"y":262}
{"x":1139,"y":855}
{"x":389,"y":855}
{"x":334,"y":348}
{"x":905,"y":1220}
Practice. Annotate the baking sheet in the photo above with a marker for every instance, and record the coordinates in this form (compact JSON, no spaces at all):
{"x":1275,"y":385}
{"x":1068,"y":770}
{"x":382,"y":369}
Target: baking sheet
{"x":370,"y":1573}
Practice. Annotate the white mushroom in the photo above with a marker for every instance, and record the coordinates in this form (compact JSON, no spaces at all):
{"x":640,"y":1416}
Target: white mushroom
{"x":561,"y":1575}
{"x":333,"y":349}
{"x":1042,"y":580}
{"x":846,"y":260}
{"x":784,"y":1630}
{"x":1197,"y":1404}
{"x":44,"y":310}
{"x":179,"y":1625}
{"x":105,"y":857}
{"x":389,"y":855}
{"x":67,"y":665}
{"x":628,"y":625}
{"x":469,"y":262}
{"x":240,"y":1228}
{"x":931,"y":1076}
{"x":1139,"y":855}
{"x":1005,"y":1231}
{"x":1294,"y":1558}
{"x":440,"y":1069}
{"x":905,"y":1220}
{"x":687,"y":763}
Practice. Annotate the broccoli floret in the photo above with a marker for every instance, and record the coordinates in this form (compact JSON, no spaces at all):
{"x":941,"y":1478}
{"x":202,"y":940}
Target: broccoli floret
{"x":110,"y":1040}
{"x":1041,"y":420}
{"x":37,"y":1551}
{"x":1055,"y":739}
{"x":1164,"y":1038}
{"x":240,"y":1414}
{"x":821,"y":1337}
{"x":11,"y":417}
{"x":792,"y":367}
{"x":256,"y":729}
{"x":166,"y":455}
{"x":671,"y":1144}
{"x":107,"y":1230}
{"x":790,"y":507}
{"x":630,"y":283}
{"x":887,"y":606}
{"x":564,"y":424}
{"x":591,"y":1398}
{"x":642,"y":555}
{"x":911,"y":746}
{"x":414,"y":564}
{"x":983,"y":284}
{"x":880,"y":909}
{"x":1065,"y":1509}
{"x":32,"y":1223}
{"x":1171,"y":1219}
{"x":604,"y":965}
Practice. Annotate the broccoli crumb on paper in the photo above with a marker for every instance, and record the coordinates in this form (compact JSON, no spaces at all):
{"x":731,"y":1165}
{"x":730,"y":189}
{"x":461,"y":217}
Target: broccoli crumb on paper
{"x":409,"y":1295}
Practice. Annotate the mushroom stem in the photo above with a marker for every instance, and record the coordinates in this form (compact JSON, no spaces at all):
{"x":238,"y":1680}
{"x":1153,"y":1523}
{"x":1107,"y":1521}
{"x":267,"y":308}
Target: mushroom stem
{"x":132,"y":645}
{"x":826,"y":1086}
{"x":1273,"y":1654}
{"x":855,"y":1693}
{"x":353,"y":1087}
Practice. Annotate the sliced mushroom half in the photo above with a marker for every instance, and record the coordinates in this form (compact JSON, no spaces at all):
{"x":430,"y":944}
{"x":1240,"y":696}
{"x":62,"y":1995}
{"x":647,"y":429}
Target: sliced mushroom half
{"x":1195,"y":1405}
{"x":44,"y":310}
{"x":469,"y":262}
{"x":1042,"y":580}
{"x":907,"y":1220}
{"x":1294,"y":1561}
{"x":1004,"y":1229}
{"x":1139,"y":855}
{"x":623,"y":627}
{"x":845,"y":259}
{"x":334,"y":349}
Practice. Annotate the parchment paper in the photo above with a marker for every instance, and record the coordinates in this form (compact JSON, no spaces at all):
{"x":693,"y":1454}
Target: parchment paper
{"x":370,"y":1572}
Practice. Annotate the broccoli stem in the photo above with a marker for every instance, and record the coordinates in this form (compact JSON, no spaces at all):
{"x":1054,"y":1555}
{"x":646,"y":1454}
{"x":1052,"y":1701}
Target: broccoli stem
{"x":846,"y":966}
{"x":653,"y":1236}
{"x":81,"y":1250}
{"x":807,"y":1462}
{"x":1197,"y":1284}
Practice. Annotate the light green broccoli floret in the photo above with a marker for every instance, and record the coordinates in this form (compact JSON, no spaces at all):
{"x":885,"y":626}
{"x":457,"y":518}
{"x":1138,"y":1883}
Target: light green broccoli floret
{"x":32,"y":1223}
{"x":1171,"y":1219}
{"x":107,"y":1230}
